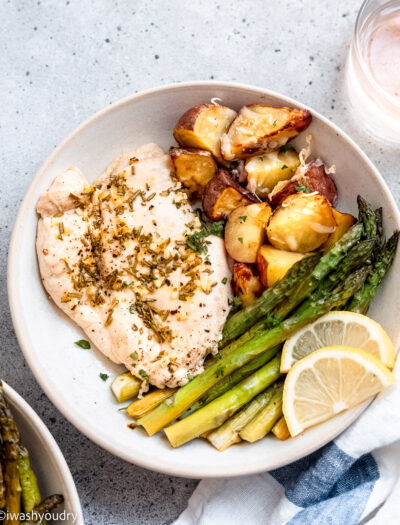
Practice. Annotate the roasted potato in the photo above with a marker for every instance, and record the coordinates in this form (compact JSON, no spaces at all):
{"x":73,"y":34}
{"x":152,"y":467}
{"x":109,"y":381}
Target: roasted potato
{"x":260,"y":128}
{"x":246,"y":284}
{"x":193,"y":167}
{"x":245,"y":231}
{"x":203,"y":126}
{"x":264,"y":172}
{"x":273,"y":264}
{"x":223,"y":195}
{"x":309,"y":179}
{"x":344,"y":222}
{"x":302,"y":223}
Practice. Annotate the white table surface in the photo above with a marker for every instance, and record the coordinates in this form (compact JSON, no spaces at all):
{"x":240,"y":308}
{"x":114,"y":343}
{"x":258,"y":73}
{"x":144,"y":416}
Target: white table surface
{"x":61,"y":61}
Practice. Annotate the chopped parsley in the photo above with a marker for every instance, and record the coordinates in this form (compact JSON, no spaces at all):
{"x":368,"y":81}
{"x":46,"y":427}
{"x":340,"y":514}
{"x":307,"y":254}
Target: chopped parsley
{"x":196,"y":241}
{"x":286,"y":147}
{"x":274,"y":123}
{"x":83,"y":344}
{"x":236,"y":302}
{"x":104,"y":377}
{"x":240,"y":239}
{"x":134,"y":355}
{"x":224,"y":280}
{"x":219,"y":371}
{"x":132,"y":308}
{"x":304,"y":189}
{"x":243,"y":218}
{"x":284,"y":167}
{"x":154,"y":277}
{"x":143,"y":374}
{"x":178,"y":205}
{"x":217,"y":355}
{"x":126,"y":285}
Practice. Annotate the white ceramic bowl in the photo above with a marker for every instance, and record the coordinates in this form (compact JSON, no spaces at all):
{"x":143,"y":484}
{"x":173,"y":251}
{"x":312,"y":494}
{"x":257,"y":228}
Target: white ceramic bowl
{"x":47,"y":460}
{"x":70,"y":376}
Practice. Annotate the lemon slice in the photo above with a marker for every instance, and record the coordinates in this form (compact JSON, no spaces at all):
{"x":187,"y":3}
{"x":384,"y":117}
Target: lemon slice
{"x":339,"y":328}
{"x":329,"y":381}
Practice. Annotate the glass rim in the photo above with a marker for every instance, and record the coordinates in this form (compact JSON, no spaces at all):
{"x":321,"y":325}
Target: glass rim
{"x":362,"y":61}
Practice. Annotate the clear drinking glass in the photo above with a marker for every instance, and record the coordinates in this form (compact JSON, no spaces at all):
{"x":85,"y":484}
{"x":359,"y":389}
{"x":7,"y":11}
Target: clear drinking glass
{"x":373,"y":69}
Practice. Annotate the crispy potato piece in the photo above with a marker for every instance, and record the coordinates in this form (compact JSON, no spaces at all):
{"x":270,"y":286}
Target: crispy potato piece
{"x":302,"y":223}
{"x":223,"y":195}
{"x":246,"y":284}
{"x":245,"y":231}
{"x":344,"y":222}
{"x":202,"y":127}
{"x":273,"y":264}
{"x":260,"y":128}
{"x":310,"y":178}
{"x":193,"y":167}
{"x":264,"y":172}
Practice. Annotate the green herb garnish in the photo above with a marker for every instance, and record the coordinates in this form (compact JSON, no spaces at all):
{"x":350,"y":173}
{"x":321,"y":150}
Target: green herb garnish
{"x":284,"y":167}
{"x":236,"y":302}
{"x":224,"y":280}
{"x":104,"y":377}
{"x":132,"y":308}
{"x":196,"y":241}
{"x":83,"y":344}
{"x":240,"y":239}
{"x":304,"y":189}
{"x":274,"y":123}
{"x":286,"y":147}
{"x":243,"y":218}
{"x":143,"y":374}
{"x":178,"y":205}
{"x":134,"y":355}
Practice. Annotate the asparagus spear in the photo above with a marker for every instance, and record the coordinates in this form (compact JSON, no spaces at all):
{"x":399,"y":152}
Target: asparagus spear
{"x":356,"y":257}
{"x":228,"y":433}
{"x":125,"y":387}
{"x":361,"y":300}
{"x":10,"y":439}
{"x":219,"y":410}
{"x":271,"y":297}
{"x":47,"y":505}
{"x":139,"y":407}
{"x":233,"y":379}
{"x":176,"y":405}
{"x":29,"y":484}
{"x":265,"y":419}
{"x":328,"y":262}
{"x":379,"y":227}
{"x":367,"y":216}
{"x":280,"y":429}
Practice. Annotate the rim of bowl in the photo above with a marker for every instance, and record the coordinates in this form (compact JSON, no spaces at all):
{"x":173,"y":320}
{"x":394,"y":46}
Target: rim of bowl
{"x":49,"y":443}
{"x":150,"y":462}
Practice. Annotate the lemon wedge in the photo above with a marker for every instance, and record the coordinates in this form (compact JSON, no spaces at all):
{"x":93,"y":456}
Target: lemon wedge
{"x":328,"y":381}
{"x":339,"y":328}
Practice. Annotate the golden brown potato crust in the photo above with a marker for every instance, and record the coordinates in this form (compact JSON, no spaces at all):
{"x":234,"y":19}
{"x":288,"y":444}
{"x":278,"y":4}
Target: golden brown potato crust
{"x":302,"y":223}
{"x":194,"y":167}
{"x":259,"y":128}
{"x":223,"y":194}
{"x":246,"y":284}
{"x":202,"y":127}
